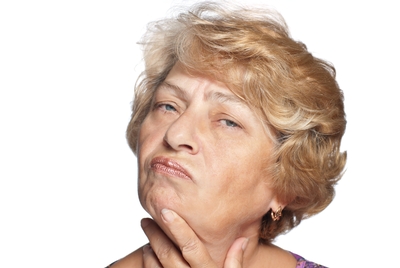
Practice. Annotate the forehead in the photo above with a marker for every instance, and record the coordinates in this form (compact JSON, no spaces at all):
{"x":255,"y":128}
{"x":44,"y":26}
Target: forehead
{"x":180,"y":81}
{"x":214,"y":95}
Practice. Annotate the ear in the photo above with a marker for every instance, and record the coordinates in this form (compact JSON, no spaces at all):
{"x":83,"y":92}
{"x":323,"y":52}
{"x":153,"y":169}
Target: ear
{"x":276,"y":210}
{"x":276,"y":204}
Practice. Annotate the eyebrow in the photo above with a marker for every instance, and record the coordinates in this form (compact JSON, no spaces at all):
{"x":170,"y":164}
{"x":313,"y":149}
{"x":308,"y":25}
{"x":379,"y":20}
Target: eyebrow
{"x":225,"y":98}
{"x":213,"y":95}
{"x":176,"y":90}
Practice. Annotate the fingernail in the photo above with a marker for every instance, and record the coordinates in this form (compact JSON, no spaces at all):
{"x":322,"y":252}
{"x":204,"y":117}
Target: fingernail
{"x":167,"y":215}
{"x":244,"y":245}
{"x":145,"y":222}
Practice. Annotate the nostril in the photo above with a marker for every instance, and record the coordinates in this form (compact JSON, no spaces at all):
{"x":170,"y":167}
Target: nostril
{"x":166,"y":143}
{"x":187,"y":147}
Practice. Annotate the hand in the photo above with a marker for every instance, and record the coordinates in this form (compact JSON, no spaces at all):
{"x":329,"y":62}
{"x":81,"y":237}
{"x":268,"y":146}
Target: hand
{"x":191,"y":251}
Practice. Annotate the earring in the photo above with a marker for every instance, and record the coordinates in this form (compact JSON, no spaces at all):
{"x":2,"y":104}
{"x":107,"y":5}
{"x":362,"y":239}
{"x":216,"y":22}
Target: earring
{"x":277,"y":214}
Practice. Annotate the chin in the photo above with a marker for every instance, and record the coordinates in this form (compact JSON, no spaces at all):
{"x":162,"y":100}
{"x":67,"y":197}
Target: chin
{"x":157,"y":199}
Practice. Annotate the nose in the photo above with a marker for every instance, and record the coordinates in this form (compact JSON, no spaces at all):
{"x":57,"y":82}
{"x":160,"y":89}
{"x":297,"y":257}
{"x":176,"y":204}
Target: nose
{"x":182,"y":134}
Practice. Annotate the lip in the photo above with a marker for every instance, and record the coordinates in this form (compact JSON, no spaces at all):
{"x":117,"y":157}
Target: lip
{"x":169,"y":167}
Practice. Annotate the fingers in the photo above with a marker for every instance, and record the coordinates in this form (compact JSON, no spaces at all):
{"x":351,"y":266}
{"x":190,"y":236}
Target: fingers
{"x":161,"y":248}
{"x":193,"y":250}
{"x":149,"y":258}
{"x":234,"y":258}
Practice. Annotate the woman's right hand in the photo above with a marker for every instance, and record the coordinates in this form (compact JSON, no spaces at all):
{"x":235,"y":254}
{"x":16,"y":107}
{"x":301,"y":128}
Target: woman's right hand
{"x":189,"y":251}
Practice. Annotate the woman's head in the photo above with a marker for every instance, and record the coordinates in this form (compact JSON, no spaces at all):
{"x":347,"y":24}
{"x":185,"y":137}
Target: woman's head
{"x":293,"y":94}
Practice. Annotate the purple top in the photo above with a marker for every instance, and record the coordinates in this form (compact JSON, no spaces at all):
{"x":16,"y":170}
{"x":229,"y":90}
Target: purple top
{"x":303,"y":263}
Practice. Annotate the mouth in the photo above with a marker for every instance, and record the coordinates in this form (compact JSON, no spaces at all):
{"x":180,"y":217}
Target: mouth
{"x":169,"y":167}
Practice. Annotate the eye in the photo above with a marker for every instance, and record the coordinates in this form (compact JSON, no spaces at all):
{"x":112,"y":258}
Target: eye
{"x":169,"y":107}
{"x":229,"y":123}
{"x":165,"y":107}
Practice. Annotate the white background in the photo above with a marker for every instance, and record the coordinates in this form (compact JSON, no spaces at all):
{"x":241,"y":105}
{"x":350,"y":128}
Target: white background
{"x":68,"y":179}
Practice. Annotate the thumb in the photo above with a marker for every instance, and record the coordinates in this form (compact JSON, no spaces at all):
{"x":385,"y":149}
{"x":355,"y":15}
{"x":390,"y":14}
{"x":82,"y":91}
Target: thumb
{"x":234,"y":258}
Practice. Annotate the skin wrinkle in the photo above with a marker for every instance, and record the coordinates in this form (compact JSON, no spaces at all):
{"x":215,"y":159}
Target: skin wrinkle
{"x":212,"y":96}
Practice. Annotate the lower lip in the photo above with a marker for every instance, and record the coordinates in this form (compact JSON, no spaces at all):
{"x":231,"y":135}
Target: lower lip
{"x":160,"y":168}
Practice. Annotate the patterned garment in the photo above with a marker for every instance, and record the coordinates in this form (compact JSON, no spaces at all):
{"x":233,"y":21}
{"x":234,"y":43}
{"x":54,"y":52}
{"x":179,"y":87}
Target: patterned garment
{"x":301,"y":263}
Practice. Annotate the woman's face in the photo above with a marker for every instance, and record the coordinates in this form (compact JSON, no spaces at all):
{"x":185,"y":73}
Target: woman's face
{"x":203,"y":153}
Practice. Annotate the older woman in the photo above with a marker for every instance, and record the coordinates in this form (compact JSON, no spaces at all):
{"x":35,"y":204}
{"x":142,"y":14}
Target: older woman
{"x":237,"y":129}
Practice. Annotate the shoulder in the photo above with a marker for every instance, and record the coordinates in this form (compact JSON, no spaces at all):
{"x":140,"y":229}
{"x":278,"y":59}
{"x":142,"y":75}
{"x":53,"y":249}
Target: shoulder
{"x":273,"y":256}
{"x":132,"y":260}
{"x":303,"y":263}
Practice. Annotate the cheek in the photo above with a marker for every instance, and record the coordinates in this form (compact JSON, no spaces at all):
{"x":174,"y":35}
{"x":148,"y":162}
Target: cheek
{"x":144,"y":132}
{"x":240,"y":176}
{"x":244,"y":168}
{"x":150,"y":136}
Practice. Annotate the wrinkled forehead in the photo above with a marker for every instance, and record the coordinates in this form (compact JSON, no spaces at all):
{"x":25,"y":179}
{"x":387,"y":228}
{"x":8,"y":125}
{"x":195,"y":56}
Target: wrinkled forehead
{"x":232,"y":78}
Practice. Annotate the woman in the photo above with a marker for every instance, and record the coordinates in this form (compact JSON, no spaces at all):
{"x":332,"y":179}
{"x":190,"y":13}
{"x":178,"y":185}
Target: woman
{"x":237,"y":129}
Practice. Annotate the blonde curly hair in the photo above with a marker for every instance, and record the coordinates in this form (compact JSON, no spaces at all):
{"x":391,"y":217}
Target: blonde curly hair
{"x":294,"y":93}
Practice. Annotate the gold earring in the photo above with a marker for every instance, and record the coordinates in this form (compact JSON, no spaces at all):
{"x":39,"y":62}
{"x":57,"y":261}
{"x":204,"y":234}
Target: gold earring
{"x":277,"y":214}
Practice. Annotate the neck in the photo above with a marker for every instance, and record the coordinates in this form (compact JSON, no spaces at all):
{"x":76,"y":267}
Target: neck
{"x":219,"y":243}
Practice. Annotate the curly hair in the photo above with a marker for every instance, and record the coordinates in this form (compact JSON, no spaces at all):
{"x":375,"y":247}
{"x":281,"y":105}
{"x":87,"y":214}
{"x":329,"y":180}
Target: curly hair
{"x":294,"y":93}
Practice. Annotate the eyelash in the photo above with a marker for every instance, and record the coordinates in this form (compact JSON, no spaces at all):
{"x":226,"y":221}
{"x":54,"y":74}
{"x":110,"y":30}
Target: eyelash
{"x":163,"y":106}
